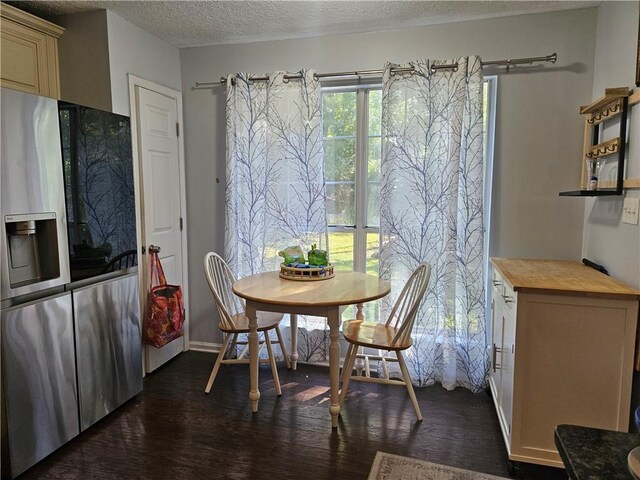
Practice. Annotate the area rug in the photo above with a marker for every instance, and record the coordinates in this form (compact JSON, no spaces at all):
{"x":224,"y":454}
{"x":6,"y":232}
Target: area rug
{"x":394,"y":467}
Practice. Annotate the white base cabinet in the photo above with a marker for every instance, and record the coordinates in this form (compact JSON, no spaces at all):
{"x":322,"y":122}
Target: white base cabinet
{"x":559,"y":356}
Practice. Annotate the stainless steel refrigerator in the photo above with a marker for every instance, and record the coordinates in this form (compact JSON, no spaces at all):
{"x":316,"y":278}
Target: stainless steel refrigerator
{"x":70,"y":351}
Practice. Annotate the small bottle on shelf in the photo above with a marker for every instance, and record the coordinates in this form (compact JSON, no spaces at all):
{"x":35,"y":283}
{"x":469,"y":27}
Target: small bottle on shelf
{"x":593,"y":169}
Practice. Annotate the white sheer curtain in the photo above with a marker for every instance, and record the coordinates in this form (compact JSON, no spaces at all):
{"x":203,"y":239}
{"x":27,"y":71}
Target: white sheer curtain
{"x":275,"y":192}
{"x":432,"y":210}
{"x":275,"y":173}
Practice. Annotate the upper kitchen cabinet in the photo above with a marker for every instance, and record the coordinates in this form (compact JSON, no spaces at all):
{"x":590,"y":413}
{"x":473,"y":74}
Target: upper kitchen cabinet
{"x":29,"y":51}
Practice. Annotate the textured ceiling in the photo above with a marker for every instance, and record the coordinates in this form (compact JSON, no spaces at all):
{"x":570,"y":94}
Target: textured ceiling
{"x":197,"y":23}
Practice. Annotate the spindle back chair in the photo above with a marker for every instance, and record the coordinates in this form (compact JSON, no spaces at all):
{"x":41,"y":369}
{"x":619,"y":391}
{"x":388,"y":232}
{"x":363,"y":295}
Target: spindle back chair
{"x":233,"y":321}
{"x":393,"y":336}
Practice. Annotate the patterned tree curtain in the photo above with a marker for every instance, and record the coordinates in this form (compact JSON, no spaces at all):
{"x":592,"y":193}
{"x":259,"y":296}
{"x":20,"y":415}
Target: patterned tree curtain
{"x":275,"y":173}
{"x":432,"y":211}
{"x":275,"y":193}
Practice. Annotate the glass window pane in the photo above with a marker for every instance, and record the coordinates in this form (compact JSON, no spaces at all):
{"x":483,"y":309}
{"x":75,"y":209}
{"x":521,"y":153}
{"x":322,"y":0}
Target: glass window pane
{"x":373,"y":204}
{"x":340,"y":159}
{"x":341,"y":203}
{"x":373,"y":244}
{"x":375,"y":112}
{"x":374,"y":152}
{"x":339,"y":114}
{"x":371,"y":312}
{"x":341,"y":250}
{"x":485,"y":105}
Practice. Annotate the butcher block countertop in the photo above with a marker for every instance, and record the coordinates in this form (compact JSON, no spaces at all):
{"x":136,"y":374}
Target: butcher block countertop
{"x":560,"y":276}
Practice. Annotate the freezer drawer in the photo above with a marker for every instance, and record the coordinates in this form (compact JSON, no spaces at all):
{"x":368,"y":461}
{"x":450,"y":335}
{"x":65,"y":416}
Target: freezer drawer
{"x":39,"y":381}
{"x":108,"y":346}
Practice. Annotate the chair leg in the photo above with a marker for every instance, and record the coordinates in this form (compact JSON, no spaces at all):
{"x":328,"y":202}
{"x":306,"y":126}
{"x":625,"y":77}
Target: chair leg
{"x":347,"y":356}
{"x":233,"y":342}
{"x":407,"y":381}
{"x":348,"y":369}
{"x":216,"y":366}
{"x":272,"y":361}
{"x":359,"y":363}
{"x":282,"y":347}
{"x":385,"y":367}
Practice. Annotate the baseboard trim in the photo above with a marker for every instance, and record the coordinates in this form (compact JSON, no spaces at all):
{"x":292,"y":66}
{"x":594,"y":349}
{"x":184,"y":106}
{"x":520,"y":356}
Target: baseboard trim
{"x":205,"y":347}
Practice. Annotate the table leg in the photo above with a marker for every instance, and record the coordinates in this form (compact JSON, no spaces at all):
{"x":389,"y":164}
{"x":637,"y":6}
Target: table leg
{"x":359,"y":362}
{"x":293,"y":357}
{"x":333,"y":316}
{"x":254,"y":393}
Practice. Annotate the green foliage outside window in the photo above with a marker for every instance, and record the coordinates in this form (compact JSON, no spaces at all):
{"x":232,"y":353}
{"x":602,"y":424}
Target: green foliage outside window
{"x":339,"y":110}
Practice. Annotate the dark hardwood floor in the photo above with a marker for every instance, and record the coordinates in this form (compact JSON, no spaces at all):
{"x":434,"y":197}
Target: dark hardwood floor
{"x":173,"y":430}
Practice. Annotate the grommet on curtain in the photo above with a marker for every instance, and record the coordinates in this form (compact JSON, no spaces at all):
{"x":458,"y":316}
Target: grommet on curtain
{"x":414,"y":69}
{"x":421,"y":72}
{"x":430,"y":65}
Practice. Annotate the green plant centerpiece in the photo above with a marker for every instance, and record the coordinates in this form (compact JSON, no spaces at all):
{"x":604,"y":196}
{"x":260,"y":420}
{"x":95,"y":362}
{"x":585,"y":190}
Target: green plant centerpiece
{"x":292,"y":255}
{"x":294,"y":266}
{"x":317,"y":257}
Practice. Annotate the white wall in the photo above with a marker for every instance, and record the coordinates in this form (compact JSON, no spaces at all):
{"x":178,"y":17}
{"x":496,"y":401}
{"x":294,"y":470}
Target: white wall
{"x":606,"y":239}
{"x":538,"y":144}
{"x":84,"y":59}
{"x":133,"y":50}
{"x":99,"y":49}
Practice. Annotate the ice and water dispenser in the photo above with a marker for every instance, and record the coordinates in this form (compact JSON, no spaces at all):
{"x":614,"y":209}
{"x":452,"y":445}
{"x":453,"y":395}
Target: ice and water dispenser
{"x":32,"y":241}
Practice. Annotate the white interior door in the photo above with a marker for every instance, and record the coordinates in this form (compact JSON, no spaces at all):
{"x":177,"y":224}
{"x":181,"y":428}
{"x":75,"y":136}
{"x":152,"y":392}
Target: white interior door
{"x":160,"y":179}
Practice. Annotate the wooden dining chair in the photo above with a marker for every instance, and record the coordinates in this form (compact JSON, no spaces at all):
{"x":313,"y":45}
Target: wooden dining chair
{"x":392,"y":336}
{"x":233,"y":321}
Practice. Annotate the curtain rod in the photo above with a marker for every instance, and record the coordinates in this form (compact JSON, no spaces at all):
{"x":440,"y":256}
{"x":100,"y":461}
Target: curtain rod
{"x":505,"y":63}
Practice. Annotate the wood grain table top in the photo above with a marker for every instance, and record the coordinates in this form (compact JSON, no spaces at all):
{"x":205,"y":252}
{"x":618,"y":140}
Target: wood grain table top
{"x":346,"y":288}
{"x":560,"y":276}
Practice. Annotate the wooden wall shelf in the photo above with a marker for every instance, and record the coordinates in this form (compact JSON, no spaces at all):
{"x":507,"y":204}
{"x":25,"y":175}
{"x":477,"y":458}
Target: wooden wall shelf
{"x":610,"y":95}
{"x":614,"y":103}
{"x":590,"y":193}
{"x":605,"y":148}
{"x":614,"y":109}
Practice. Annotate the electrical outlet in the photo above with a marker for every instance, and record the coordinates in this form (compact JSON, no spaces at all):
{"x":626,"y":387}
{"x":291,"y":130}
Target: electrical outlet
{"x":630,"y":210}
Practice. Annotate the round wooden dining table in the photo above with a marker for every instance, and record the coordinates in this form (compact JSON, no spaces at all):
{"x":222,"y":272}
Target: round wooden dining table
{"x":323,"y":298}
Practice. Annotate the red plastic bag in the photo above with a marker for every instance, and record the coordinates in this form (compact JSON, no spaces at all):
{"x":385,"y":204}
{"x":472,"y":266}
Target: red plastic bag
{"x":164,"y":316}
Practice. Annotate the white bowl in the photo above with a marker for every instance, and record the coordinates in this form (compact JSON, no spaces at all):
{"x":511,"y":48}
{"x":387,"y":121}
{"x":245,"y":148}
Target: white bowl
{"x":633,"y":462}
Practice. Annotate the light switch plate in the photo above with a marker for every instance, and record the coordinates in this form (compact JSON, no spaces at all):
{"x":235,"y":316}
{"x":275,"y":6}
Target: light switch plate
{"x":630,"y":210}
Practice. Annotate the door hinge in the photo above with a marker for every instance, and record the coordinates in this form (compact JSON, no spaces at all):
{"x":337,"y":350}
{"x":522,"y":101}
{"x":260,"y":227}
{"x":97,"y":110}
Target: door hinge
{"x":181,"y":224}
{"x":177,"y":129}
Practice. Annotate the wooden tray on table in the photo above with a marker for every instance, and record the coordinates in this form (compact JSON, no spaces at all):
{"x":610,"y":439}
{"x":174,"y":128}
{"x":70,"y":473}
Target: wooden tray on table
{"x":308,"y":274}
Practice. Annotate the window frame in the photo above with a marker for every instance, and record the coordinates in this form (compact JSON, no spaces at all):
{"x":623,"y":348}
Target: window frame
{"x":360,"y":229}
{"x":491,"y":82}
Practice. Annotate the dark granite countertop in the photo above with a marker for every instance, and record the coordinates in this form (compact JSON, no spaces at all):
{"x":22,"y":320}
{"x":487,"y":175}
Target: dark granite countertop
{"x":594,"y":454}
